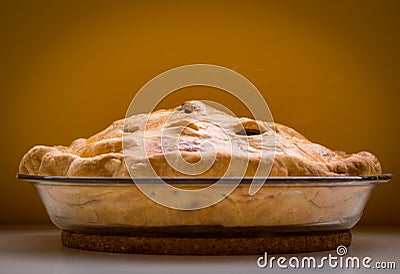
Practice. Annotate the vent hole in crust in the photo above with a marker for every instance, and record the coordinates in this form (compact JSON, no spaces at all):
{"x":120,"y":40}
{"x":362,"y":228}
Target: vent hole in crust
{"x":186,"y":108}
{"x":249,"y":132}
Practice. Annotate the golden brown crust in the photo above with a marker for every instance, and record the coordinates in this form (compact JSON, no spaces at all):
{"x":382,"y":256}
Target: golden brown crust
{"x":102,"y":154}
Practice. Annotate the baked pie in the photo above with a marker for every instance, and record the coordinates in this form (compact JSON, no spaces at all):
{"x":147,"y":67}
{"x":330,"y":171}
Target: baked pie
{"x":198,"y":133}
{"x":184,"y":132}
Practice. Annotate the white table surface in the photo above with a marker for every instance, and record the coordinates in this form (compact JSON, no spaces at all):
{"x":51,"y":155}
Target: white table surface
{"x":38,"y":250}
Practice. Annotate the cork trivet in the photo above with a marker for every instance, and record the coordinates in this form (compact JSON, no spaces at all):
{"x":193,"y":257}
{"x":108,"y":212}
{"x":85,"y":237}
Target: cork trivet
{"x":207,"y":246}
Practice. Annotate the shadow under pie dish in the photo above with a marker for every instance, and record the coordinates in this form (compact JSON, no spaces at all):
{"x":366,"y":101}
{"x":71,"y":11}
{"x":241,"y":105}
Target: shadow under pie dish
{"x":86,"y":187}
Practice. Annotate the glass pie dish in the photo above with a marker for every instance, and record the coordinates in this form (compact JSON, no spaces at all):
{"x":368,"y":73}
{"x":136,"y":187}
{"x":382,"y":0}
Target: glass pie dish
{"x":283,"y":205}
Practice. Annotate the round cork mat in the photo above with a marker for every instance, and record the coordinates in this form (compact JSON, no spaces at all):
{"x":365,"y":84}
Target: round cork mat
{"x":309,"y":242}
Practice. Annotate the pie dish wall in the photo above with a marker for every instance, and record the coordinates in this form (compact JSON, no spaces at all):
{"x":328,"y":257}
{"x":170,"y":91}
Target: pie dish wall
{"x":282,"y":204}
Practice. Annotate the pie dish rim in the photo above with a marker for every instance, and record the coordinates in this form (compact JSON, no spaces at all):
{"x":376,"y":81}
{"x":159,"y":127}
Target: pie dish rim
{"x":270,"y":180}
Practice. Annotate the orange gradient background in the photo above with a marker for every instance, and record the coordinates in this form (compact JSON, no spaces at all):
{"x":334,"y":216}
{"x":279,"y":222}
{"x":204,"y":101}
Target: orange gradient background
{"x":330,"y":69}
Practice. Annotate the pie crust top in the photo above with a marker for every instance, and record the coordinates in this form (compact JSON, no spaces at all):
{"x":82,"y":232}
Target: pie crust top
{"x":195,"y":133}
